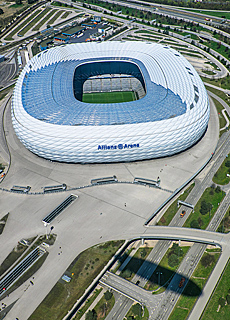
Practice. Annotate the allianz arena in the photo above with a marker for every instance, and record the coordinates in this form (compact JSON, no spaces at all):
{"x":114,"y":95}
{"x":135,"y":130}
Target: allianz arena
{"x":169,"y":114}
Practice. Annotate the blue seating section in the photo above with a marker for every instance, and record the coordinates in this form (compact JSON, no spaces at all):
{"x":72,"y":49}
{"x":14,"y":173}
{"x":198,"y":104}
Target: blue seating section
{"x":53,"y":87}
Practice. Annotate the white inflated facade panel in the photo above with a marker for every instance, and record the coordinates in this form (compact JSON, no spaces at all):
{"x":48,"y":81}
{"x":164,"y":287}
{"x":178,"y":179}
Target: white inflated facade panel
{"x":124,"y":142}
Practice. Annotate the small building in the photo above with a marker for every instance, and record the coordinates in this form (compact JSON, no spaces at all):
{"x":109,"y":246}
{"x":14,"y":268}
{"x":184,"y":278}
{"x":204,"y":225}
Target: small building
{"x":61,"y":38}
{"x":2,"y":58}
{"x":74,"y":31}
{"x":101,"y":30}
{"x":96,"y":19}
{"x":45,"y":44}
{"x":47,"y":32}
{"x":89,"y":25}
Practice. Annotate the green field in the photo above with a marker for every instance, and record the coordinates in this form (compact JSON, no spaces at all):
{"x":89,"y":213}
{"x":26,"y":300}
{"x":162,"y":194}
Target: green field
{"x":109,"y":97}
{"x":83,"y":270}
{"x":199,"y":277}
{"x":217,"y":309}
{"x":214,"y":13}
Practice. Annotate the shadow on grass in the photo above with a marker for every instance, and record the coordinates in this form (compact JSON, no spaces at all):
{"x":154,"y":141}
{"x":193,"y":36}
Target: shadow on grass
{"x":158,"y":276}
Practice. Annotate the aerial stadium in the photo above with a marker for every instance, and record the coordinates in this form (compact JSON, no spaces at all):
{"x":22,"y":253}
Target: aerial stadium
{"x":109,"y":102}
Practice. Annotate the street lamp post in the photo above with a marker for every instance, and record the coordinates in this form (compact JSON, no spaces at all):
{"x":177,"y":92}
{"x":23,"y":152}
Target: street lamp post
{"x":159,"y":277}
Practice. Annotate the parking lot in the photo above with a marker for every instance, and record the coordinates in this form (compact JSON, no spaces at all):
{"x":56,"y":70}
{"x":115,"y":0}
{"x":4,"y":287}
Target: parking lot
{"x":86,"y":34}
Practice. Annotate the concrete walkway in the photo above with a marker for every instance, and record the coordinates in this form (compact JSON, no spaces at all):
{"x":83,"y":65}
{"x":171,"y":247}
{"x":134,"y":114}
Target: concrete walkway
{"x":93,"y":305}
{"x":226,"y":118}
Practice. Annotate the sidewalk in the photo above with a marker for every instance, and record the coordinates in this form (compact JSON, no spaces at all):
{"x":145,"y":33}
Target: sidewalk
{"x":95,"y":301}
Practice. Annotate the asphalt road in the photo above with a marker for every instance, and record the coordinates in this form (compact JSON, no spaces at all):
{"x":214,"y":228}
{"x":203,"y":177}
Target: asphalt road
{"x":170,"y":11}
{"x":122,"y":304}
{"x":63,"y":236}
{"x":189,"y":263}
{"x":187,"y":268}
{"x":8,"y":69}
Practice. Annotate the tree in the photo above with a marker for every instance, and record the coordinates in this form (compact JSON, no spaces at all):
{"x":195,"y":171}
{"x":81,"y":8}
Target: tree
{"x":207,"y":260}
{"x":200,"y":221}
{"x":18,"y":2}
{"x":173,"y":260}
{"x":143,"y":253}
{"x":1,"y":11}
{"x":194,"y":224}
{"x":176,"y":249}
{"x":227,"y":164}
{"x":91,"y":315}
{"x":218,"y":189}
{"x":203,"y":207}
{"x":228,"y":299}
{"x":127,"y":274}
{"x":108,"y":295}
{"x":137,"y":309}
{"x":211,"y":192}
{"x":221,"y":301}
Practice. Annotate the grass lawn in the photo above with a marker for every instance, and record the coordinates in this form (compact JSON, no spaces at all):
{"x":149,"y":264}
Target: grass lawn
{"x":224,"y":226}
{"x":167,"y":272}
{"x":84,"y":269}
{"x":4,"y":92}
{"x":12,"y":257}
{"x":55,"y":17}
{"x":21,"y":25}
{"x":33,"y":22}
{"x":221,"y":291}
{"x":108,"y":97}
{"x":172,"y":210}
{"x":188,"y":298}
{"x":87,"y":304}
{"x":134,"y":264}
{"x":44,"y":20}
{"x":139,"y":316}
{"x":218,"y":48}
{"x":219,"y":93}
{"x":222,"y":83}
{"x":66,"y":14}
{"x":219,"y":109}
{"x":208,"y":72}
{"x":121,"y":259}
{"x":59,"y":4}
{"x":213,"y":13}
{"x":220,"y":177}
{"x":210,"y":196}
{"x":104,"y":307}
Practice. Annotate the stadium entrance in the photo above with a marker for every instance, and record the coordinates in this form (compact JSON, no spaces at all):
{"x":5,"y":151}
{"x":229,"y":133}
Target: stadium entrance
{"x":108,"y":82}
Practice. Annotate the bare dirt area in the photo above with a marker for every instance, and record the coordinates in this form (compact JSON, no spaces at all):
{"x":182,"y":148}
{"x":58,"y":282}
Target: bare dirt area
{"x":10,"y":9}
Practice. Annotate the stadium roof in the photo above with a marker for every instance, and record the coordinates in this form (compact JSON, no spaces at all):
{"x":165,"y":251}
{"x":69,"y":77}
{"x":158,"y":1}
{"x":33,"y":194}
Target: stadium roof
{"x":47,"y":85}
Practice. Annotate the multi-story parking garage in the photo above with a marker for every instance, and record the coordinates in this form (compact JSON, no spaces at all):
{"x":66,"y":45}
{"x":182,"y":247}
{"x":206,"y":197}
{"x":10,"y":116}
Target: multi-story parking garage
{"x":167,"y":112}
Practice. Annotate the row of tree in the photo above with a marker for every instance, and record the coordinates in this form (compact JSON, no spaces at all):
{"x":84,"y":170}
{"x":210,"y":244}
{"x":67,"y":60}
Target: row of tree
{"x":92,"y":314}
{"x":212,"y":5}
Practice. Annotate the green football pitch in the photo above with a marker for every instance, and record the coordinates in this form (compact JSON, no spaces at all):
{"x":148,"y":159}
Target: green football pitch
{"x":109,"y":97}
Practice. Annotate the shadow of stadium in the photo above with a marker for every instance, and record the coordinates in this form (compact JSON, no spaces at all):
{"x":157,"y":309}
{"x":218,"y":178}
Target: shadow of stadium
{"x":158,"y":276}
